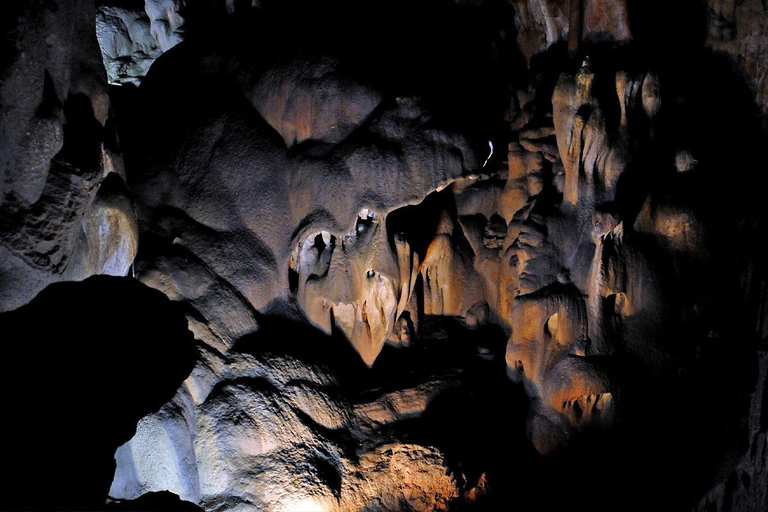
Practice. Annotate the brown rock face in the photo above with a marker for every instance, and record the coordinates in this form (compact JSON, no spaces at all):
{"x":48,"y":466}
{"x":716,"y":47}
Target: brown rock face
{"x":312,"y":101}
{"x":590,"y":282}
{"x":543,"y":23}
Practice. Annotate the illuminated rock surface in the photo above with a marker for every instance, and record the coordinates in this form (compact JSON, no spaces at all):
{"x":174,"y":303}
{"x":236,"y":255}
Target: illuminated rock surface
{"x":466,"y":255}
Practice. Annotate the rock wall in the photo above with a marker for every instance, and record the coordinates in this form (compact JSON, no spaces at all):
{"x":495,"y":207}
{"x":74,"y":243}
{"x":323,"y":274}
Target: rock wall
{"x":434,"y":256}
{"x":64,"y":206}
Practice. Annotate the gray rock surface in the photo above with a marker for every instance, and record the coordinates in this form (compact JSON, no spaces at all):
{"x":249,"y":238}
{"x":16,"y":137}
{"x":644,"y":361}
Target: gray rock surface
{"x":204,"y":196}
{"x":133,"y":33}
{"x":57,"y":150}
{"x":128,"y":46}
{"x":435,"y":255}
{"x":277,"y":432}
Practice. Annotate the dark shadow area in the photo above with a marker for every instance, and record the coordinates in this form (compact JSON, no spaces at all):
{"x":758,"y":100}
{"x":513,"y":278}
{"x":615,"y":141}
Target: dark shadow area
{"x":480,"y":426}
{"x":671,"y":442}
{"x":420,"y":234}
{"x":461,"y":60}
{"x":164,"y":501}
{"x":83,"y":363}
{"x":82,"y":135}
{"x":287,"y":337}
{"x":668,"y":30}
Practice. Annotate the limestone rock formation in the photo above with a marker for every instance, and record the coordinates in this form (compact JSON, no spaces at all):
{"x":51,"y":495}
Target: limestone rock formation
{"x":469,"y":255}
{"x":58,"y":150}
{"x":543,"y":23}
{"x":276,"y":432}
{"x":128,"y":44}
{"x":325,"y":243}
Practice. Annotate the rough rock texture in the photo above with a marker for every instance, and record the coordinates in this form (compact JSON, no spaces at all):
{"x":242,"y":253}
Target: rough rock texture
{"x":735,"y":27}
{"x":132,"y":34}
{"x":543,"y":23}
{"x":204,"y":194}
{"x":277,"y":431}
{"x":741,"y":488}
{"x":58,"y":148}
{"x":128,"y":44}
{"x":470,"y":255}
{"x":312,"y":100}
{"x":593,"y":281}
{"x":577,"y":245}
{"x":82,"y":376}
{"x":739,"y":29}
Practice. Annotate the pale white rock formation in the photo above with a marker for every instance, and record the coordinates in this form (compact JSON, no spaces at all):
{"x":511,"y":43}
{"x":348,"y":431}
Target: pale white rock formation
{"x":274,"y":433}
{"x":128,"y":45}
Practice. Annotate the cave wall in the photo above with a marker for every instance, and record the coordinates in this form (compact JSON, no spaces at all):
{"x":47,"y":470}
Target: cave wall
{"x":432,"y":254}
{"x":66,"y":214}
